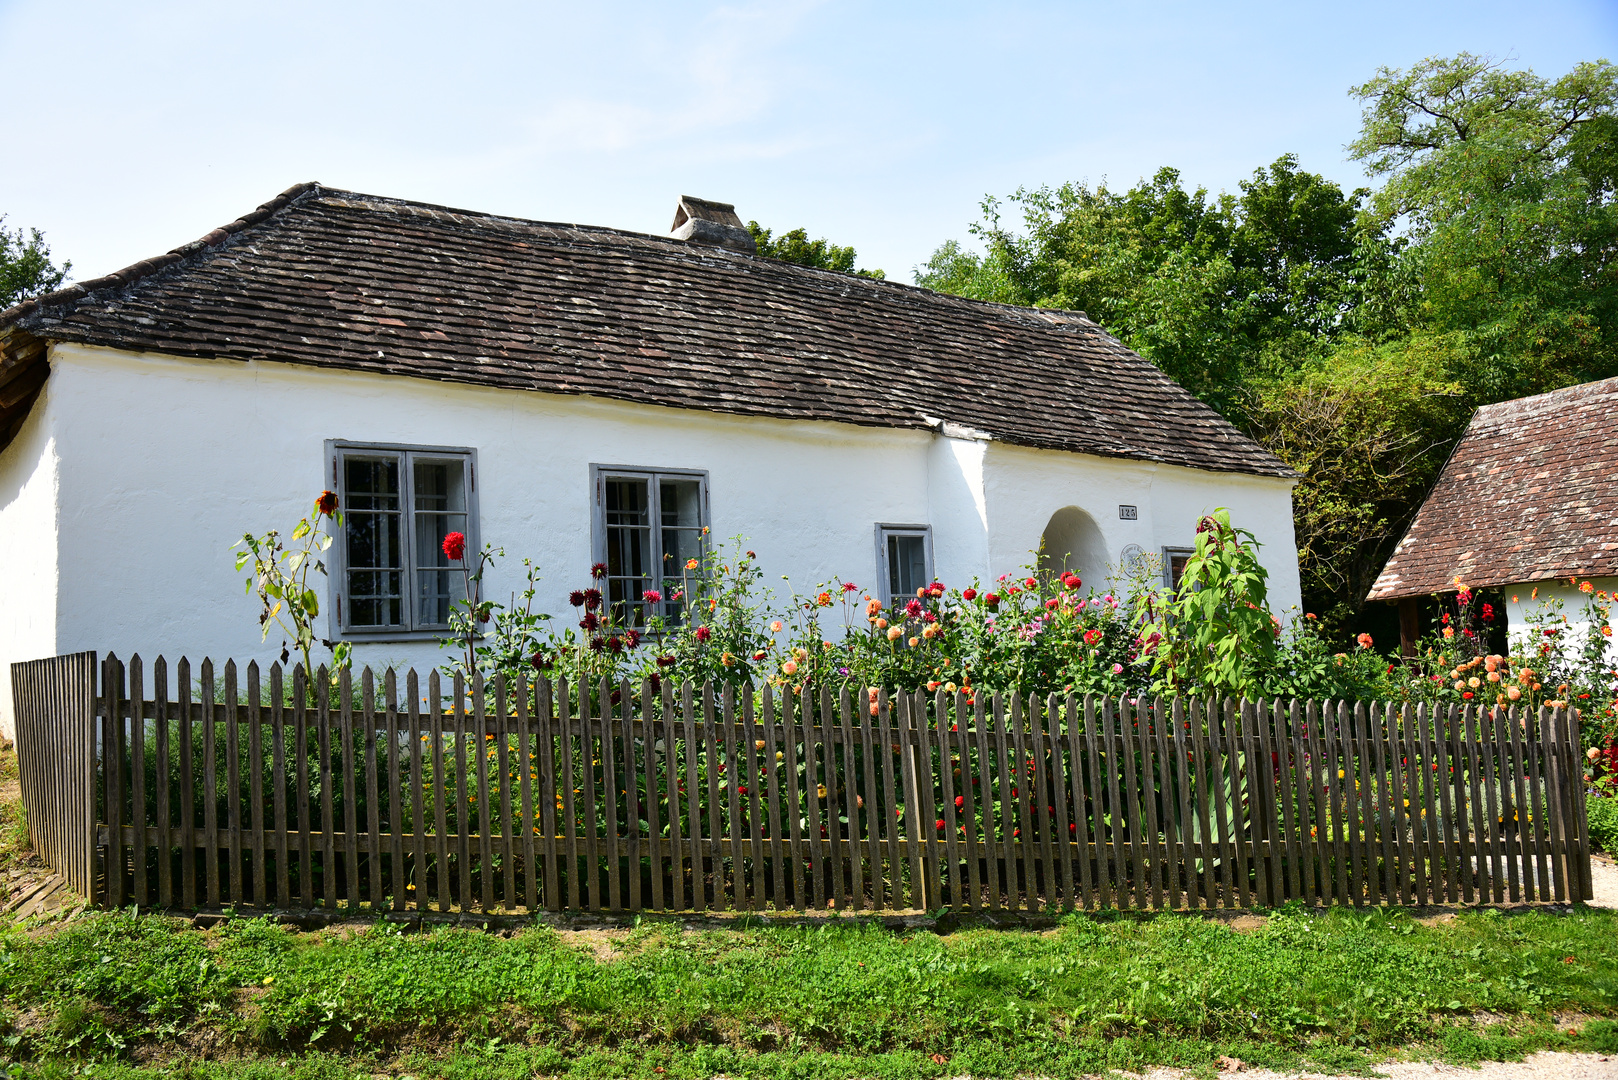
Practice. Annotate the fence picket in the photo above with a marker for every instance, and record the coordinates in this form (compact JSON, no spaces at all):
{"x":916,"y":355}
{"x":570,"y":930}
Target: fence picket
{"x":536,"y":762}
{"x":161,"y":807}
{"x":772,"y":793}
{"x":873,"y":818}
{"x":233,"y":804}
{"x":753,"y":803}
{"x":672,"y":788}
{"x":791,"y":736}
{"x":654,"y":831}
{"x":927,"y":742}
{"x":137,"y":780}
{"x":506,"y":807}
{"x":572,"y":785}
{"x":850,"y":802}
{"x":693,"y":801}
{"x":590,"y":729}
{"x":1534,"y":749}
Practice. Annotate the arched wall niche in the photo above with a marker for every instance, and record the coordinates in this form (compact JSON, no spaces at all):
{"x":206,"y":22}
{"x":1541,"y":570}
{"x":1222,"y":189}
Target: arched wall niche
{"x":1073,"y":542}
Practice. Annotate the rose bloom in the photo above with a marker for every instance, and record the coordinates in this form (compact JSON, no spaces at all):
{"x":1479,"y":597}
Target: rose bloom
{"x":913,"y":642}
{"x":454,"y":546}
{"x":969,"y":595}
{"x":789,"y":668}
{"x":1513,"y":693}
{"x":882,"y":624}
{"x":775,"y":627}
{"x":1117,"y":669}
{"x":1364,"y":641}
{"x":703,"y":633}
{"x":1030,"y":583}
{"x":894,"y":633}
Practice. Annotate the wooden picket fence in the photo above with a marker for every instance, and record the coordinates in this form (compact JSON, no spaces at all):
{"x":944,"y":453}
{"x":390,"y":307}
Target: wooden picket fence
{"x":229,"y":789}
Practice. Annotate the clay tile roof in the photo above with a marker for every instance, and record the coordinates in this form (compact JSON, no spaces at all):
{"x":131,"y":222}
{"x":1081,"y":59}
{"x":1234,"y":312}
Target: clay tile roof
{"x":1527,"y":495}
{"x":335,"y":279}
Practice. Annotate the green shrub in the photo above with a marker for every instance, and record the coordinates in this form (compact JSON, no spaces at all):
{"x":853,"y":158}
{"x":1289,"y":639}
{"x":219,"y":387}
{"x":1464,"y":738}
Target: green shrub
{"x":1603,"y":816}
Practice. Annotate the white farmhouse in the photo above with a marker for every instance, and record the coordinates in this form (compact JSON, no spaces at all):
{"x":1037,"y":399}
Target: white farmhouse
{"x":575,"y":395}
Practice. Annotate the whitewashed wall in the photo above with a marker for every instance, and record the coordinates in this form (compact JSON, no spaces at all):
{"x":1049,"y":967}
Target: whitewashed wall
{"x":28,"y":547}
{"x":1025,"y":487}
{"x":164,"y":462}
{"x":1526,"y":597}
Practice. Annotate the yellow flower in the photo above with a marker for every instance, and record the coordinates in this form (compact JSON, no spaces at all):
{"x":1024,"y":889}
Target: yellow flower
{"x":820,"y":791}
{"x":690,"y":564}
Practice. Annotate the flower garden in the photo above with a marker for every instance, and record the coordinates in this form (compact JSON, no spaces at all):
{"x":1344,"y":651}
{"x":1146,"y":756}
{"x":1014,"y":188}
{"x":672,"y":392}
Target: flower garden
{"x":1029,"y":632}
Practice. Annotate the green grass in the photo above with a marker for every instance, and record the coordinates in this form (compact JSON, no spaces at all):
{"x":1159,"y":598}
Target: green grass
{"x":840,"y":999}
{"x":13,"y":822}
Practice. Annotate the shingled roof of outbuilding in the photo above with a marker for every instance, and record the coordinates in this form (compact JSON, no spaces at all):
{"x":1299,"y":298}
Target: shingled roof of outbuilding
{"x":1528,"y":495}
{"x":336,"y":279}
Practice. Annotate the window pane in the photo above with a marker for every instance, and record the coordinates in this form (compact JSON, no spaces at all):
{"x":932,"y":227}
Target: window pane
{"x":371,"y":538}
{"x":907,"y":565}
{"x":440,"y":509}
{"x":629,"y":547}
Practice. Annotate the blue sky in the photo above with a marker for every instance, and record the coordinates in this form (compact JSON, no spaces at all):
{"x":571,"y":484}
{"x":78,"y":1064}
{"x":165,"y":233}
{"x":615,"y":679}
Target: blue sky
{"x":137,"y":127}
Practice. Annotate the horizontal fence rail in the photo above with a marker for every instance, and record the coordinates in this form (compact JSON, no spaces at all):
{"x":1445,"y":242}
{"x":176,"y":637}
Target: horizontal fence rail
{"x":380,"y":793}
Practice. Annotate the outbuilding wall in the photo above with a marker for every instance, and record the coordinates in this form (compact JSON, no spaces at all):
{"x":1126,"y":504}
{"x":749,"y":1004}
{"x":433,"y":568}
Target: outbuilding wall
{"x":164,"y":462}
{"x":1542,"y":597}
{"x":28,"y":546}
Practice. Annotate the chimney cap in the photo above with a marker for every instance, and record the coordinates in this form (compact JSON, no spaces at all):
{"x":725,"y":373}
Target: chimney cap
{"x":703,"y":221}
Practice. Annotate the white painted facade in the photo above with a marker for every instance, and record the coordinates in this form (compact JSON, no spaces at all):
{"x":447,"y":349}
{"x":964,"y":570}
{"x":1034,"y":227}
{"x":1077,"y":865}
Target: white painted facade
{"x":136,"y":473}
{"x":1529,"y":596}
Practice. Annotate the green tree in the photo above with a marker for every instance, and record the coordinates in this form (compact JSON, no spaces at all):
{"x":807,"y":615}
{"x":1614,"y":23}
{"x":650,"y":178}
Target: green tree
{"x":1502,"y":184}
{"x":25,"y":265}
{"x":795,"y":246}
{"x":1217,"y":291}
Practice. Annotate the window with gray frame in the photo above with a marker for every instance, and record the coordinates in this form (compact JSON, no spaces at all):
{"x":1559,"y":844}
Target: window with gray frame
{"x":390,"y":577}
{"x":648,"y":526}
{"x":1174,"y":560}
{"x":904,"y":559}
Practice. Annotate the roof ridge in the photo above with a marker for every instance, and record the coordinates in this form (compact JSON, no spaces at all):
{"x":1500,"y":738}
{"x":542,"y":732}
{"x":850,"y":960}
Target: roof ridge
{"x":1058,"y":317}
{"x":1594,"y":386}
{"x":147,"y":267}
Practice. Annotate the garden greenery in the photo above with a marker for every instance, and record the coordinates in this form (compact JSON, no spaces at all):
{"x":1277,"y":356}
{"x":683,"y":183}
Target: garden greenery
{"x":1038,"y":632}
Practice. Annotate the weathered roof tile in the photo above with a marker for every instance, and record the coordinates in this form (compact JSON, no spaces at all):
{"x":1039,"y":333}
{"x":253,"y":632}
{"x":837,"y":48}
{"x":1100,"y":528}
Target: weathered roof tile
{"x":337,"y":279}
{"x":1527,"y":495}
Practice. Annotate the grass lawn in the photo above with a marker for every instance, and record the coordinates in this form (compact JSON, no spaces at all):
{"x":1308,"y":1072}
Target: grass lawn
{"x":116,"y":995}
{"x":152,"y":996}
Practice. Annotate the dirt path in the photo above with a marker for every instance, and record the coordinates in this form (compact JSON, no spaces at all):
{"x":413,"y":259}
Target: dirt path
{"x":1545,"y":1065}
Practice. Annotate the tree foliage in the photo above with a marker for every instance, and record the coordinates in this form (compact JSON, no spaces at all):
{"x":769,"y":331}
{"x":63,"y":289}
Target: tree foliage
{"x":794,"y":246}
{"x":25,"y":265}
{"x":1352,"y":332}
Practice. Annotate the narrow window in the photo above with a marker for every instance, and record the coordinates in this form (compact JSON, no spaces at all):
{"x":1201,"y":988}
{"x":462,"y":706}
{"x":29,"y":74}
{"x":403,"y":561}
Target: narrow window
{"x":649,"y":525}
{"x":904,"y":560}
{"x":389,"y":574}
{"x":1174,"y":562}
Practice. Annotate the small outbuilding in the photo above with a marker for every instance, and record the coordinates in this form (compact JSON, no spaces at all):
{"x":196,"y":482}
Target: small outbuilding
{"x":575,"y":395}
{"x":1527,"y":502}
